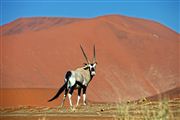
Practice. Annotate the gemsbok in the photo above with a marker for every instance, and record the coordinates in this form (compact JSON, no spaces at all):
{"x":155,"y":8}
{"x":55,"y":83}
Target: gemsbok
{"x":78,"y":79}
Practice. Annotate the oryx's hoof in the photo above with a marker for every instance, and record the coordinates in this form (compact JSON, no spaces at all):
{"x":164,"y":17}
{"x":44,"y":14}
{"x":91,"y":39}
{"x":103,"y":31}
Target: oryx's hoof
{"x":73,"y":109}
{"x":59,"y":108}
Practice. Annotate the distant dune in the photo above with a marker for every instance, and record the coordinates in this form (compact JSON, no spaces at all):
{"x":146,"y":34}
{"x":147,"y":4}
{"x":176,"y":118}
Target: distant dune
{"x":136,"y":57}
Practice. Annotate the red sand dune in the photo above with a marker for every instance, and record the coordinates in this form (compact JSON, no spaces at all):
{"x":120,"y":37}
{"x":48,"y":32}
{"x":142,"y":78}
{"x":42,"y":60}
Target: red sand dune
{"x":136,"y":57}
{"x":31,"y":97}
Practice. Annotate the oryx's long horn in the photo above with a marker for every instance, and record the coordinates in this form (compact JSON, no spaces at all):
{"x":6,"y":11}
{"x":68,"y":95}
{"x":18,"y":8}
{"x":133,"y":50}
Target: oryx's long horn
{"x":84,"y":54}
{"x":94,"y":52}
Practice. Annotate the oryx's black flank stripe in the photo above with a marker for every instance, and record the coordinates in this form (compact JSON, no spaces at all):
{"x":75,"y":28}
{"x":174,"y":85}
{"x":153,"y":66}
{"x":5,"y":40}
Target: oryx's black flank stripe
{"x":79,"y":83}
{"x":72,"y":89}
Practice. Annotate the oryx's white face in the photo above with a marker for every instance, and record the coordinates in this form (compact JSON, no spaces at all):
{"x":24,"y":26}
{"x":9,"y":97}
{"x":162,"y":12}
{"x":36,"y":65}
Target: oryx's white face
{"x":92,"y":68}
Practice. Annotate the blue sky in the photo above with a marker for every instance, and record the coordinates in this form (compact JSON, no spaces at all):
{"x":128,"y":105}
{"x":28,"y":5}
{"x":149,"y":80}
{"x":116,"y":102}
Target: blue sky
{"x":163,"y":11}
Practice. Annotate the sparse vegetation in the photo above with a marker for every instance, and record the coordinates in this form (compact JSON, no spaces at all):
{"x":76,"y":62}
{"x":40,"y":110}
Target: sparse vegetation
{"x":149,"y":110}
{"x":143,"y":109}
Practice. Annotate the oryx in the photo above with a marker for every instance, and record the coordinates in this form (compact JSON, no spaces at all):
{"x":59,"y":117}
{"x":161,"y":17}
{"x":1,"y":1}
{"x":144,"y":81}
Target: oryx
{"x":78,"y":79}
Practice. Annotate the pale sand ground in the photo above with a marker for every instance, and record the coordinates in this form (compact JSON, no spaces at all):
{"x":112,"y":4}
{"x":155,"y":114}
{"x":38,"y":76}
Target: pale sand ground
{"x":89,"y":112}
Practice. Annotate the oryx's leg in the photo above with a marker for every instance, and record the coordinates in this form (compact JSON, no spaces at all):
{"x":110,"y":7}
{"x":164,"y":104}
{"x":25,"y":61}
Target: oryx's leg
{"x":79,"y":96}
{"x":70,"y":95}
{"x":64,"y":98}
{"x":84,"y":95}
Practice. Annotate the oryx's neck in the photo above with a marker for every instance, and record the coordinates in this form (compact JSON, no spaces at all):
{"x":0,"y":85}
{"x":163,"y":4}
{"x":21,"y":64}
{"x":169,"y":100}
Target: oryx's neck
{"x":91,"y":76}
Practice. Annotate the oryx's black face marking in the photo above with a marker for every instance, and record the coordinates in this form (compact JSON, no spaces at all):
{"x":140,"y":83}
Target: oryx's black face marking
{"x":92,"y":68}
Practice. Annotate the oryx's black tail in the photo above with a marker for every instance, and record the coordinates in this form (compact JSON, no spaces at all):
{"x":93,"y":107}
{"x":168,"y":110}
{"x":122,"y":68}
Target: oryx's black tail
{"x":68,"y":74}
{"x":59,"y":92}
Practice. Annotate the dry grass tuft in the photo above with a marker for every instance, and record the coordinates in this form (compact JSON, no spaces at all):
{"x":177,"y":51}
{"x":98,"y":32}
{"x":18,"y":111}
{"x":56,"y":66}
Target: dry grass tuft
{"x":148,"y":110}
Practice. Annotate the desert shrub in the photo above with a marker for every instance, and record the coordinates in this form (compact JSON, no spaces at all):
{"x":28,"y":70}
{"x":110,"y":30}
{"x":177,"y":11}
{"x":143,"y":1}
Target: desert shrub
{"x":147,"y":110}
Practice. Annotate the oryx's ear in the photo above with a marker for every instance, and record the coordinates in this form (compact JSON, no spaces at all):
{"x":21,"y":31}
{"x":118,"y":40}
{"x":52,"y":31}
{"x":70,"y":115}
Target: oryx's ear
{"x":86,"y":66}
{"x":94,"y":65}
